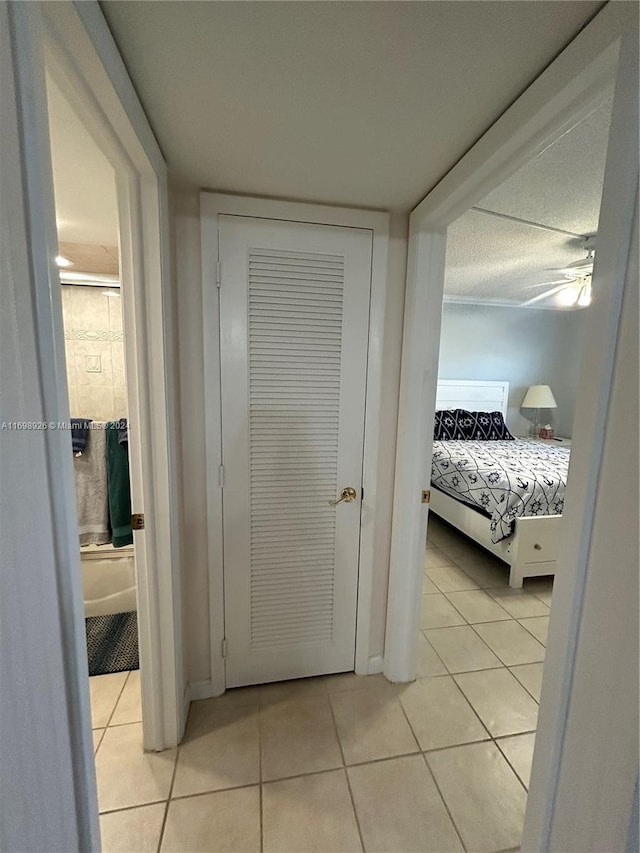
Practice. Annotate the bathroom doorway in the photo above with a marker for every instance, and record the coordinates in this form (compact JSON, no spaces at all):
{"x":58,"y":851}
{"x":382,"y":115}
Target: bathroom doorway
{"x":112,"y":327}
{"x":92,"y":311}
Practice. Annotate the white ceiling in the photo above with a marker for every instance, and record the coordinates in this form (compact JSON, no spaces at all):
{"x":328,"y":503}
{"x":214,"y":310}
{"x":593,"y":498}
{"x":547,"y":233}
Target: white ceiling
{"x":84,"y":182}
{"x":358,"y":103}
{"x":502,"y":260}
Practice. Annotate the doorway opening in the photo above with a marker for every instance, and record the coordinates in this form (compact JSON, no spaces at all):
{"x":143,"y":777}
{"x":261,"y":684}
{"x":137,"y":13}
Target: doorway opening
{"x":89,"y":267}
{"x":564,"y":94}
{"x":517,"y":302}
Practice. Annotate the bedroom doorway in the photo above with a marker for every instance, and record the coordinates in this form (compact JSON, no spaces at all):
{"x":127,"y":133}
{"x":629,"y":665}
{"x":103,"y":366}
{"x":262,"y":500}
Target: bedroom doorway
{"x":464,"y":570}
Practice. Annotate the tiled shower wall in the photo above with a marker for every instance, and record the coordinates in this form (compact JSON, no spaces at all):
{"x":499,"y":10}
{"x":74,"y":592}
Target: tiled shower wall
{"x":95,"y":352}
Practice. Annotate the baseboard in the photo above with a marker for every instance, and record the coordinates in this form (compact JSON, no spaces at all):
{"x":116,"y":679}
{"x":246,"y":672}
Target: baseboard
{"x":205,"y":689}
{"x":376,"y":664}
{"x":201,"y":690}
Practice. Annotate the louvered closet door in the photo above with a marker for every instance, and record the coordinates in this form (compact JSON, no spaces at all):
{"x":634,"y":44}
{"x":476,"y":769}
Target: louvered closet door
{"x":294,"y":309}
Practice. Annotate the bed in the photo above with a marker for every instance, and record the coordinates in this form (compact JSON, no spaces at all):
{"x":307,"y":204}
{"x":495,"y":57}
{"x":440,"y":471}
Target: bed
{"x":507,"y":496}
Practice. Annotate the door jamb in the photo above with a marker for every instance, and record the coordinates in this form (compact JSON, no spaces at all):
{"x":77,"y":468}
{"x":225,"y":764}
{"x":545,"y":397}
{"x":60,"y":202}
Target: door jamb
{"x":211,"y":206}
{"x":83,"y":59}
{"x":604,"y":51}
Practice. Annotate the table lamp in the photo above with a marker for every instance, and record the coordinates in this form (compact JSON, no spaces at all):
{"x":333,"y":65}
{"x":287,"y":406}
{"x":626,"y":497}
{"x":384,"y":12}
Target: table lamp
{"x":538,"y":397}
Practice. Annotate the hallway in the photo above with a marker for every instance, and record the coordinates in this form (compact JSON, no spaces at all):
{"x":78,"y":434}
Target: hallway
{"x":346,"y":763}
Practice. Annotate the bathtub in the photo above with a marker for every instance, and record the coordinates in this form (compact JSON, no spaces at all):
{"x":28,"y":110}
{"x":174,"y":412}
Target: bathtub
{"x":108,"y":579}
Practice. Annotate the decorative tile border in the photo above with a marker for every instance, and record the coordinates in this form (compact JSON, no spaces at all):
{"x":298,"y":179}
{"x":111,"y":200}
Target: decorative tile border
{"x":92,"y":335}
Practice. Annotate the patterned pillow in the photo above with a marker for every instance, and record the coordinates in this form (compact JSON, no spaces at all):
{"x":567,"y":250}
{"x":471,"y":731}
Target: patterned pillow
{"x":446,"y":427}
{"x":483,"y":426}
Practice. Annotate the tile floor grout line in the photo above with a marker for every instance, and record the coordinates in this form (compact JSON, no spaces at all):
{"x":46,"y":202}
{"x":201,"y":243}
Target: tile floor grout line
{"x":482,"y":621}
{"x":260,"y":803}
{"x":444,"y":803}
{"x":446,"y":671}
{"x":170,"y":793}
{"x":524,"y":686}
{"x":134,"y":806}
{"x":506,"y":758}
{"x":522,"y":663}
{"x":524,"y":619}
{"x":119,"y":725}
{"x":97,"y":747}
{"x":115,"y":704}
{"x":346,"y":774}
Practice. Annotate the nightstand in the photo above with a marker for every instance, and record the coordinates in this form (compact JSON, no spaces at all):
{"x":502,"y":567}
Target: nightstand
{"x":557,"y":442}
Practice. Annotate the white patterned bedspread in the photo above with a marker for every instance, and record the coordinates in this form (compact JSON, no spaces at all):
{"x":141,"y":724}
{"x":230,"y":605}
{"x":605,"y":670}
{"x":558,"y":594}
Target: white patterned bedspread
{"x":505,"y":479}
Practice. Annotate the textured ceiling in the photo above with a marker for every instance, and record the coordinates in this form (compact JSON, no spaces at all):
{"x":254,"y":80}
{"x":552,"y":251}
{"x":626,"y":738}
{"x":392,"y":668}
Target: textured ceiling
{"x":358,"y":103}
{"x":84,"y":182}
{"x":502,"y":260}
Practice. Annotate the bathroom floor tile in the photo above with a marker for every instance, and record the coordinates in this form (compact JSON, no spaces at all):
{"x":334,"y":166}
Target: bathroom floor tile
{"x":223,"y":822}
{"x":399,"y":807}
{"x":476,"y":606}
{"x":311,"y":813}
{"x":298,"y":736}
{"x":220,"y":749}
{"x":437,"y":612}
{"x":104,"y":692}
{"x":129,"y":707}
{"x":511,"y":643}
{"x":483,"y":794}
{"x":126,"y":775}
{"x":519,"y":753}
{"x":461,"y":649}
{"x":538,"y":626}
{"x":439,"y":714}
{"x":530,"y":676}
{"x":371,"y":725}
{"x":503,"y":705}
{"x":132,"y":830}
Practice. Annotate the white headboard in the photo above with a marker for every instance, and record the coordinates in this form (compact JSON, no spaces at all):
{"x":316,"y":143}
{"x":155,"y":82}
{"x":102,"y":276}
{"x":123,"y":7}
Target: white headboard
{"x":475,"y":395}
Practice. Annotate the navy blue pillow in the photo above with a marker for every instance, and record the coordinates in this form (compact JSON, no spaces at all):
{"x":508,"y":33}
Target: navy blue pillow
{"x":446,"y":427}
{"x":483,"y":426}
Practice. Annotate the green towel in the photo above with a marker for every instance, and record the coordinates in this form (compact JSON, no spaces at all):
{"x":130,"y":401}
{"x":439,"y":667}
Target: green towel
{"x":118,"y":488}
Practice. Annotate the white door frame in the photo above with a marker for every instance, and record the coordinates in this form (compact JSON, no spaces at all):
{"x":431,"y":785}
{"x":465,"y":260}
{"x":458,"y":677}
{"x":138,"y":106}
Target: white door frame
{"x":73,"y":42}
{"x":567,"y":89}
{"x":212,"y":205}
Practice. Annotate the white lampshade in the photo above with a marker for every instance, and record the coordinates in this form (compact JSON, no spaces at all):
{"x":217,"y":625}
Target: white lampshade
{"x":539,"y":397}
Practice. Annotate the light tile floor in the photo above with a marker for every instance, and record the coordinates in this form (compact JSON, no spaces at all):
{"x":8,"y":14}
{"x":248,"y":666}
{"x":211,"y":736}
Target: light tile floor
{"x":346,"y":763}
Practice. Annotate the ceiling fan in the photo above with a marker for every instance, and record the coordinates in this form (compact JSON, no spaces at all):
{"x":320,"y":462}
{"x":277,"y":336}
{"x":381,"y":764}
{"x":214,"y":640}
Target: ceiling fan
{"x":573,"y":287}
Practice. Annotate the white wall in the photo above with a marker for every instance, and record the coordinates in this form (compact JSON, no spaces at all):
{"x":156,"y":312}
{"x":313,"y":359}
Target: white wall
{"x":526,"y":346}
{"x":188,"y":300}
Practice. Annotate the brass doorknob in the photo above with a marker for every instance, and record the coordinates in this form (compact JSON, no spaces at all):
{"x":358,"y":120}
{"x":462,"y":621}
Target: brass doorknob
{"x":346,"y":496}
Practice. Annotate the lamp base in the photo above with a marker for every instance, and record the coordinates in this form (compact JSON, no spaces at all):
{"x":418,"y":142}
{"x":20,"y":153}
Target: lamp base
{"x":535,"y":426}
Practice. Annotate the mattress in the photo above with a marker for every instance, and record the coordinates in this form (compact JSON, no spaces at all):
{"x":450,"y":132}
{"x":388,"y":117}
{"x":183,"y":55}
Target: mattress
{"x":504,"y":479}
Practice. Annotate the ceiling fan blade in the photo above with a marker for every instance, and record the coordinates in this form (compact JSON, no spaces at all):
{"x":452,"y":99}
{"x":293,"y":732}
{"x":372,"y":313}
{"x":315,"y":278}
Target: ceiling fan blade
{"x":544,"y":295}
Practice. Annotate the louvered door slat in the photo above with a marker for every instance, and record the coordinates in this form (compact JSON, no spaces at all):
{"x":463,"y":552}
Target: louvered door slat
{"x":300,"y":610}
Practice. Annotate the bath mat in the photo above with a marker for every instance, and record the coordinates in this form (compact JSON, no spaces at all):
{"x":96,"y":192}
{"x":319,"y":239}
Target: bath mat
{"x":112,"y":643}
